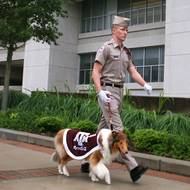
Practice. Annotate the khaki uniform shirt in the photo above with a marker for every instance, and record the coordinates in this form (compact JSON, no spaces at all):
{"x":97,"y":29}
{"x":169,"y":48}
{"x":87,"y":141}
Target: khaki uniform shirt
{"x":115,"y":61}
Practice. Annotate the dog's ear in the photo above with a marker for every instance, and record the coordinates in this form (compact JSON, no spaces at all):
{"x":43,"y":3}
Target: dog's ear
{"x":114,"y":136}
{"x":112,"y":139}
{"x":100,"y":140}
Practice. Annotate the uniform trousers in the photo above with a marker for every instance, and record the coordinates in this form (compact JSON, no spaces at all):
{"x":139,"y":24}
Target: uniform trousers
{"x":112,"y":111}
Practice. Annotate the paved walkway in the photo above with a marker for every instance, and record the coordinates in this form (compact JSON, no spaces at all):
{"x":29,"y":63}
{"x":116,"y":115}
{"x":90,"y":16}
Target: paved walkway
{"x":25,"y":166}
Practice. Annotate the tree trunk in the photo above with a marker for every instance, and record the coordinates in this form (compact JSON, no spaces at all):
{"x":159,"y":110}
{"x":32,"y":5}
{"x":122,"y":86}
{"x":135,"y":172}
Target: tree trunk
{"x":7,"y":79}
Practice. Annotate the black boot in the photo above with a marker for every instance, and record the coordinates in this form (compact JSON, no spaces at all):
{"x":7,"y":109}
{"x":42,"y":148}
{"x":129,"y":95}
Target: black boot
{"x":84,"y":167}
{"x":137,"y":172}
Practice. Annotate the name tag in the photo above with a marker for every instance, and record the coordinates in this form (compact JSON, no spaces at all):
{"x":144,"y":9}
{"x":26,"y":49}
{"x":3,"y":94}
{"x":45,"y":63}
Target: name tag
{"x":116,"y":57}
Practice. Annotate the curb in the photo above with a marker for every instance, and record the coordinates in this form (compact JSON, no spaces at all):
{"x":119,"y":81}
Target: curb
{"x":25,"y":137}
{"x":153,"y":162}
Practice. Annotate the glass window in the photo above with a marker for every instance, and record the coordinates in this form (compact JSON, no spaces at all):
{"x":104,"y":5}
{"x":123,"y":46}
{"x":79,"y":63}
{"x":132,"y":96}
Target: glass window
{"x":161,"y":66}
{"x":93,"y":15}
{"x":137,"y":55}
{"x":163,"y":10}
{"x":161,"y":73}
{"x":149,"y":62}
{"x":140,"y":70}
{"x":86,"y":9}
{"x":154,"y":11}
{"x":138,"y":12}
{"x":98,"y":7}
{"x":153,"y":3}
{"x":81,"y":77}
{"x":124,"y":5}
{"x":16,"y":73}
{"x":142,"y":11}
{"x":86,"y":64}
{"x":151,"y":56}
{"x":147,"y":74}
{"x":154,"y":74}
{"x":162,"y":55}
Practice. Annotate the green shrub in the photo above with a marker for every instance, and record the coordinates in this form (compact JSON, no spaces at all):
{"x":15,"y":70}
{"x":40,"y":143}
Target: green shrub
{"x":84,"y":125}
{"x":178,"y":147}
{"x":18,"y":120}
{"x":146,"y":139}
{"x":161,"y":143}
{"x":4,"y":120}
{"x":49,"y":124}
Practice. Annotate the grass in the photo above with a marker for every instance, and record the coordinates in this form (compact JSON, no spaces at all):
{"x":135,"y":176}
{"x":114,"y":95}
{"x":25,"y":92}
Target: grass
{"x":174,"y":124}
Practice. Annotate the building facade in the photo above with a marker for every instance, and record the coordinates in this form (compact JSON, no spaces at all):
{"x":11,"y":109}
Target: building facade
{"x":159,"y":34}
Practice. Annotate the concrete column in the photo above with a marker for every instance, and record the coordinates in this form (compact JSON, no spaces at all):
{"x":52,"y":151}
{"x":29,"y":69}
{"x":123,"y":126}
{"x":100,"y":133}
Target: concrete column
{"x":64,"y":60}
{"x":36,"y":67}
{"x":177,"y":51}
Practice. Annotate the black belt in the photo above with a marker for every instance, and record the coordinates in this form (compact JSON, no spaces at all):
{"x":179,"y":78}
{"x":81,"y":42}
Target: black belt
{"x":112,"y":84}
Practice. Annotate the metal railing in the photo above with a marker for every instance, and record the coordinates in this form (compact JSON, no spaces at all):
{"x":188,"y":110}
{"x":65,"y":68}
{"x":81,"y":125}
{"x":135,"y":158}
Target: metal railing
{"x":96,"y":23}
{"x":144,"y":15}
{"x":137,"y":16}
{"x":151,"y":73}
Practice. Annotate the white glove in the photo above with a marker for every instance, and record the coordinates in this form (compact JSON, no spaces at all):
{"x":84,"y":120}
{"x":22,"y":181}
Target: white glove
{"x":148,"y":88}
{"x":104,"y":96}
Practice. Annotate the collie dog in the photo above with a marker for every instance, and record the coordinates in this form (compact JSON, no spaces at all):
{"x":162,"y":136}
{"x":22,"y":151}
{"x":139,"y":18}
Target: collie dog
{"x":108,"y":145}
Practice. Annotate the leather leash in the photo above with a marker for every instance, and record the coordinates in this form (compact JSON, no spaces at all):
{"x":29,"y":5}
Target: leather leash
{"x":110,"y":117}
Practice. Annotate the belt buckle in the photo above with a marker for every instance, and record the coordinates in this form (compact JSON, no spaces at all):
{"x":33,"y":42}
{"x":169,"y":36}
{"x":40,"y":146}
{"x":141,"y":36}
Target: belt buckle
{"x":113,"y":85}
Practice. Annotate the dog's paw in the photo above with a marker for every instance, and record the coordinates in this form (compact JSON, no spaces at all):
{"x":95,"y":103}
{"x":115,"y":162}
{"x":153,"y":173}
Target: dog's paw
{"x":108,"y":179}
{"x":60,"y":171}
{"x":93,"y":177}
{"x":108,"y":182}
{"x":65,"y":171}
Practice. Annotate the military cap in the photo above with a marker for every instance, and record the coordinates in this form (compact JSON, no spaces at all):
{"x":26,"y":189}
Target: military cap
{"x":120,"y":21}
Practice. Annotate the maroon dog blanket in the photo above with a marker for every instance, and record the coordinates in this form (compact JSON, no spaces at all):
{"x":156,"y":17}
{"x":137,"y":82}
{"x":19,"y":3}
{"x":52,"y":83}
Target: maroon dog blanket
{"x":79,"y":145}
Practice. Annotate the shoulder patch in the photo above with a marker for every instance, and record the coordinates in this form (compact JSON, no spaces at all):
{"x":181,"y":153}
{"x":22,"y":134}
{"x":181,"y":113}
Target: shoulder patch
{"x":110,"y":42}
{"x":100,"y":50}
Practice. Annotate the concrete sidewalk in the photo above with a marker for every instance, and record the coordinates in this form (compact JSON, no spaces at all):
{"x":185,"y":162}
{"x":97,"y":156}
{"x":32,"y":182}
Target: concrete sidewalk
{"x":24,"y":166}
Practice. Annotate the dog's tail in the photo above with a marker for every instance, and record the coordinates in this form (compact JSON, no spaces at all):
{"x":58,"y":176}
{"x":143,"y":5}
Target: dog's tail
{"x":54,"y":157}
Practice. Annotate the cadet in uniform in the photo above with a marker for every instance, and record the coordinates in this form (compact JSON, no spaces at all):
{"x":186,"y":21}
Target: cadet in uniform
{"x":113,"y":61}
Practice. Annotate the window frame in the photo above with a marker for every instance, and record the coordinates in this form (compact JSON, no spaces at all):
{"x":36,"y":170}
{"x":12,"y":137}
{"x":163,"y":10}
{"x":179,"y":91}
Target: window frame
{"x":143,"y":66}
{"x":85,"y":70}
